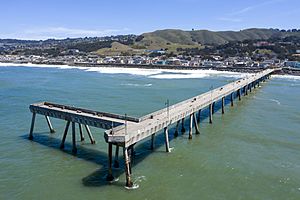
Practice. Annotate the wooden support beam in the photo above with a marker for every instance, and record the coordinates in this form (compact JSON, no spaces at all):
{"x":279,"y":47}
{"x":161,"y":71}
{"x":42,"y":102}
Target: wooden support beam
{"x":62,"y":145}
{"x":152,"y":141}
{"x":74,"y":149}
{"x":210,"y":113}
{"x":196,"y":124}
{"x":49,"y":124}
{"x":116,"y":161}
{"x":199,"y":116}
{"x":176,"y":130}
{"x":231,"y":99}
{"x":109,"y":176}
{"x":129,"y":183}
{"x":167,"y":139}
{"x":191,"y":127}
{"x":90,"y":134}
{"x":32,"y":126}
{"x":80,"y":131}
{"x":223,"y":105}
{"x":182,"y":126}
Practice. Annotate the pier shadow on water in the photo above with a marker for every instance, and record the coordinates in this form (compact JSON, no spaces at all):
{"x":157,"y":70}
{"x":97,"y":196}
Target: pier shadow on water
{"x":142,"y":150}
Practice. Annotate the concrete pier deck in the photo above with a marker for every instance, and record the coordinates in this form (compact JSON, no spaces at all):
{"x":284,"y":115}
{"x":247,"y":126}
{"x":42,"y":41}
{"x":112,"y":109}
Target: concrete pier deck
{"x":154,"y":122}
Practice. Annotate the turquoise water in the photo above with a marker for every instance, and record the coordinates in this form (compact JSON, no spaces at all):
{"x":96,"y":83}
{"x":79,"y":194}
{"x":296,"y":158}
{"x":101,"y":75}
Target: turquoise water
{"x":251,"y":152}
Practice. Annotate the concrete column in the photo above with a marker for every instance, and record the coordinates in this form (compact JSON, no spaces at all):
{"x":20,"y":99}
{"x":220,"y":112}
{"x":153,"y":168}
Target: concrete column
{"x":32,"y":126}
{"x":109,"y":176}
{"x":231,"y":99}
{"x":49,"y":124}
{"x":199,"y":115}
{"x":62,"y":145}
{"x":182,"y":126}
{"x":191,"y":127}
{"x":116,"y":162}
{"x":210,"y":113}
{"x":90,"y":134}
{"x":213,"y":107}
{"x":196,"y":124}
{"x":239,"y":94}
{"x":74,"y":149}
{"x":129,"y":183}
{"x":152,"y":141}
{"x":176,"y":131}
{"x":167,"y":139}
{"x":223,"y":105}
{"x":250,"y":86}
{"x":80,"y":131}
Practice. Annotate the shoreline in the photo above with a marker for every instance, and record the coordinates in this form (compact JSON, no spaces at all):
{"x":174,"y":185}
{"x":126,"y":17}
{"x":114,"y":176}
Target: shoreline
{"x":284,"y":70}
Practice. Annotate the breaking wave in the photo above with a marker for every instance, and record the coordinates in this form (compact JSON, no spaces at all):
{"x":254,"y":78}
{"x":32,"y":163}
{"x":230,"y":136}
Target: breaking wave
{"x":150,"y":73}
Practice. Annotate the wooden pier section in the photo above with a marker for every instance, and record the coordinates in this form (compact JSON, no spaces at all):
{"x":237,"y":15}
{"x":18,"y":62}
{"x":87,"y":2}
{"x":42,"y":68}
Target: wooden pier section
{"x":125,"y":131}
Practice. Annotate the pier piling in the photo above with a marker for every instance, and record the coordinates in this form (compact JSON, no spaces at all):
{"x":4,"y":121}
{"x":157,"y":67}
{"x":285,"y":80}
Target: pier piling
{"x":196,"y":124}
{"x":199,"y":115}
{"x":32,"y":126}
{"x":152,"y":141}
{"x":191,"y":127}
{"x":90,"y":134}
{"x":167,"y":139}
{"x":182,"y":126}
{"x":74,"y":149}
{"x":210,"y":113}
{"x":231,"y":99}
{"x":80,"y":132}
{"x":176,"y":130}
{"x":223,"y":105}
{"x":129,"y":183}
{"x":109,"y":176}
{"x":116,"y":161}
{"x":49,"y":124}
{"x":62,"y":145}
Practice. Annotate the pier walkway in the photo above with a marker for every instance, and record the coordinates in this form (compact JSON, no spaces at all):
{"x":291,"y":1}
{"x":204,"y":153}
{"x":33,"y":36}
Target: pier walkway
{"x":125,"y":131}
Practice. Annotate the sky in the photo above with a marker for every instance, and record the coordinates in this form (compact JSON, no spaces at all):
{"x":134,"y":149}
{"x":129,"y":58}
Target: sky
{"x":43,"y":19}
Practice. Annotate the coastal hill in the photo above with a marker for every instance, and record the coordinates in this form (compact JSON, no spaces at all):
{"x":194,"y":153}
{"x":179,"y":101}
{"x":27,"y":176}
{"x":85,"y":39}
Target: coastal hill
{"x":174,"y":39}
{"x":173,"y":36}
{"x":170,"y":40}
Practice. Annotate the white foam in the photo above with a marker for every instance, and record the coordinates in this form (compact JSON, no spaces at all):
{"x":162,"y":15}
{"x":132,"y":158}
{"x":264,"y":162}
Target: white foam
{"x":151,"y":73}
{"x":177,"y":76}
{"x":286,"y":77}
{"x":118,"y":70}
{"x":41,"y":66}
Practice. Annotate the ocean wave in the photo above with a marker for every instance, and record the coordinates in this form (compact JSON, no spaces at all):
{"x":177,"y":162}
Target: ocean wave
{"x":119,"y":70}
{"x":151,"y":73}
{"x":41,"y":66}
{"x":286,"y":77}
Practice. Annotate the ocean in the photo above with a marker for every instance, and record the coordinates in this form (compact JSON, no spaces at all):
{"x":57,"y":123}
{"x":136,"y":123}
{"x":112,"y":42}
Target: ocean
{"x":251,"y":152}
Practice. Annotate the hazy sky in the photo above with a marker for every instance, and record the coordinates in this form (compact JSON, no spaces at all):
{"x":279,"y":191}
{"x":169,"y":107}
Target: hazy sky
{"x":41,"y":19}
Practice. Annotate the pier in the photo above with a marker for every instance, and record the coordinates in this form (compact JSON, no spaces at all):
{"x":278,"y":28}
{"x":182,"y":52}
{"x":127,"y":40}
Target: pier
{"x":125,"y":131}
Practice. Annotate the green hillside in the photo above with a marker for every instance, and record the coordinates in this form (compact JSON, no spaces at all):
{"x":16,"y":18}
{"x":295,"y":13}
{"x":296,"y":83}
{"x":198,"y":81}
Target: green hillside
{"x":173,"y":39}
{"x":160,"y":38}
